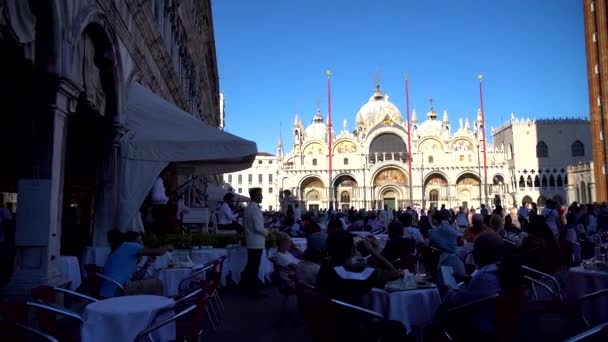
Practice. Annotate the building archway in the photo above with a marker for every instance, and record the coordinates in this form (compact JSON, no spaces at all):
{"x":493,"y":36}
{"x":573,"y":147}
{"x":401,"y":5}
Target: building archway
{"x":394,"y":178}
{"x":437,"y":185}
{"x":345,"y":184}
{"x":313,"y":191}
{"x":387,"y":146}
{"x":467,"y":189}
{"x":89,"y":187}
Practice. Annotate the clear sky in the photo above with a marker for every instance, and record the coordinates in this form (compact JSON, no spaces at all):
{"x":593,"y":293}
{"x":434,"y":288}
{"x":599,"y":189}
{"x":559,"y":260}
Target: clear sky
{"x":272,"y":56}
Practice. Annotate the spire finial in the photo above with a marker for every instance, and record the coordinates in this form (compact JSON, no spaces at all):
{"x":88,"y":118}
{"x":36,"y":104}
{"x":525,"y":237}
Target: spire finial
{"x":431,"y":102}
{"x":280,"y":144}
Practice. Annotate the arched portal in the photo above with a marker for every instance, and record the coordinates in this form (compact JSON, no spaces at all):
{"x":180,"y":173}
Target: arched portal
{"x":437,"y":185}
{"x":313,"y":191}
{"x":345,"y":185}
{"x":390,"y":178}
{"x":90,"y":155}
{"x":467,"y":189}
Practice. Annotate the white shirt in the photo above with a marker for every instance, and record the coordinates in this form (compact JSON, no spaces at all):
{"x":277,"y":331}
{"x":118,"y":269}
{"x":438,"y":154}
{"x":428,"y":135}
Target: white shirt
{"x":286,"y":259}
{"x":158,"y":192}
{"x":253,"y":221}
{"x":225,"y":214}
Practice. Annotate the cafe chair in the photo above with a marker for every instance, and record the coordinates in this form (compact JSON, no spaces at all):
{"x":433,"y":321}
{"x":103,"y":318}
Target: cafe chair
{"x":146,"y":334}
{"x":371,"y":314}
{"x":597,"y":333}
{"x":581,"y":301}
{"x":458,"y":323}
{"x":48,"y":294}
{"x":47,"y":320}
{"x":104,"y":277}
{"x":551,"y":284}
{"x":194,"y":279}
{"x":22,"y":331}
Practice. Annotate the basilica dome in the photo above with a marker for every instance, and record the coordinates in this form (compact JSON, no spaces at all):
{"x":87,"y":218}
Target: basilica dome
{"x":317,"y":130}
{"x":377,"y":108}
{"x":432,"y":126}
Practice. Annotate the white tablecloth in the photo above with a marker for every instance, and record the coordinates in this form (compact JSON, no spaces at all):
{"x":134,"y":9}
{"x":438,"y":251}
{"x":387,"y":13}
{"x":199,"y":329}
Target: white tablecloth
{"x":300,"y":243}
{"x":236,"y":260}
{"x":171,"y":277}
{"x":122,"y":318}
{"x":70,"y":270}
{"x":579,"y":282}
{"x":413,"y":308}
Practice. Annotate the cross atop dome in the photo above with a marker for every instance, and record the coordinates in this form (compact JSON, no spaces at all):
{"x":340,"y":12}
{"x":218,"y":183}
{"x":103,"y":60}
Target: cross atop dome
{"x":432,"y":114}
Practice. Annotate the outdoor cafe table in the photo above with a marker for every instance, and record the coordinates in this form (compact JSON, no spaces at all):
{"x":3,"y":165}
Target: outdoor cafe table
{"x":122,"y":318}
{"x":236,"y":260}
{"x":413,"y":308}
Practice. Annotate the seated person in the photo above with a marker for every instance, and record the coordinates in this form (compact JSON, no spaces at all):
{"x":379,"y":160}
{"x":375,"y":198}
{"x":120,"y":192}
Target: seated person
{"x":409,"y":231}
{"x":122,"y":266}
{"x":445,"y":238}
{"x":341,"y":277}
{"x":307,"y":270}
{"x":397,"y":246}
{"x":285,"y":260}
{"x":476,"y":228}
{"x":487,"y":252}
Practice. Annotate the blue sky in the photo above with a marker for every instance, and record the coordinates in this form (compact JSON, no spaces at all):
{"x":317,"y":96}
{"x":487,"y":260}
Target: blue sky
{"x":272,"y":56}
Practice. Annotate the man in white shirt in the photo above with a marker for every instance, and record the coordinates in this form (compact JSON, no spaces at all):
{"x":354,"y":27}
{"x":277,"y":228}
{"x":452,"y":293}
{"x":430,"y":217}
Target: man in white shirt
{"x":255,"y":240}
{"x":225,"y":215}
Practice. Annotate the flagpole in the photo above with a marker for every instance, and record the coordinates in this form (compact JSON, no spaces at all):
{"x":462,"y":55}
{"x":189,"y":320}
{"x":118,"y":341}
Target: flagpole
{"x":483,"y":135}
{"x":329,"y":138}
{"x":409,"y":136}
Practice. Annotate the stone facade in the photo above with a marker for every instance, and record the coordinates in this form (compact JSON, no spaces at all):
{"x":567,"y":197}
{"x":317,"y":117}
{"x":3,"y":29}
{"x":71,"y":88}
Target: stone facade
{"x":74,"y":61}
{"x":581,"y":187}
{"x":370,"y":162}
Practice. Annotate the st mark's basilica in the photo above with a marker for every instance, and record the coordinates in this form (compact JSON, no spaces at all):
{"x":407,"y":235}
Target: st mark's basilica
{"x":526,"y":160}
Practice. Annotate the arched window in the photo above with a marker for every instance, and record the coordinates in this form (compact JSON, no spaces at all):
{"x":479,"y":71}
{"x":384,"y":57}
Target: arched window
{"x":510,"y":154}
{"x":529,"y":181}
{"x":430,"y":159}
{"x":536,"y":182}
{"x":345,"y":161}
{"x":522,"y":182}
{"x":578,"y":149}
{"x":559,"y":182}
{"x":542,"y":150}
{"x":551,"y":181}
{"x":314,"y":162}
{"x":544,"y":183}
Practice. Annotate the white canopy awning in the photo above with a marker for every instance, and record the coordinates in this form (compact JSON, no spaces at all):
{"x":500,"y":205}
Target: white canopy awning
{"x":216,"y":193}
{"x":159,"y":134}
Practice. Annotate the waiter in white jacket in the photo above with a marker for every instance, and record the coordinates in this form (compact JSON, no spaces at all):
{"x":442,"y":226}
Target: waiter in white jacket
{"x":255,"y":239}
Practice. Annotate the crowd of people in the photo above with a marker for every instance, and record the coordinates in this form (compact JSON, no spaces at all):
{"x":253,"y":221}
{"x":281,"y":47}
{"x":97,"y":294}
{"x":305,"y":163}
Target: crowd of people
{"x":345,"y":264}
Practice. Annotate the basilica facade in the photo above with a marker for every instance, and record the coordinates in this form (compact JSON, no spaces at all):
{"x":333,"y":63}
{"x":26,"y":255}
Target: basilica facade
{"x":378,"y":164}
